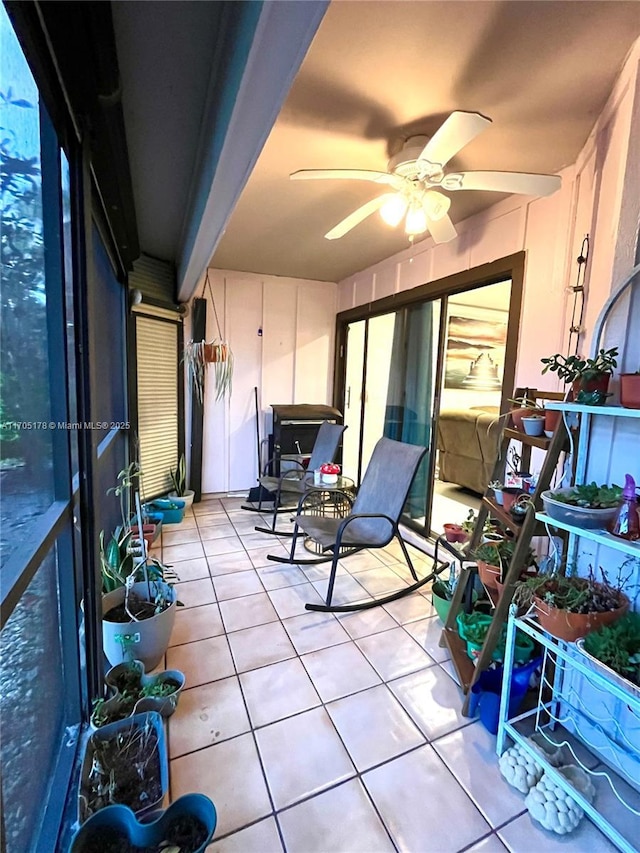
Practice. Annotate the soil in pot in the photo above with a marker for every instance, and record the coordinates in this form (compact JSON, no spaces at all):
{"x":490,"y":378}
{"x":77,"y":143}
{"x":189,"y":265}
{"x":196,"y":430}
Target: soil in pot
{"x":139,"y":607}
{"x":125,"y":770}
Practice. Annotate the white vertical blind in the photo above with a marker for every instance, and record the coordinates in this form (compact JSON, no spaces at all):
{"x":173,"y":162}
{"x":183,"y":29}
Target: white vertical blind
{"x":157,"y":352}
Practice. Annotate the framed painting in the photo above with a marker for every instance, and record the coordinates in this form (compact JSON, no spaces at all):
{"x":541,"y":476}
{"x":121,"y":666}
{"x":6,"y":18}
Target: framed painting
{"x":475,"y":348}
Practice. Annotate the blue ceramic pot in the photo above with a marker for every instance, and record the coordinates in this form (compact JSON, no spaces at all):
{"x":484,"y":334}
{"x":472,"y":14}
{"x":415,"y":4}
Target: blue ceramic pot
{"x":119,"y":822}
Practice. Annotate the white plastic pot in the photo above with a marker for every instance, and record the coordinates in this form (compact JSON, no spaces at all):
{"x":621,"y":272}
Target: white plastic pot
{"x":187,"y":497}
{"x":146,"y":640}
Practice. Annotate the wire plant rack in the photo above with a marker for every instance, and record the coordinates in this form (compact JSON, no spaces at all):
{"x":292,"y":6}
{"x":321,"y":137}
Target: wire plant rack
{"x":597,"y":721}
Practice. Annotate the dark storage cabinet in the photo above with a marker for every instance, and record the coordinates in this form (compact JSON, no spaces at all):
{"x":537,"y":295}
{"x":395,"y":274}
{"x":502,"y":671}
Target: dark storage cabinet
{"x":295,"y":428}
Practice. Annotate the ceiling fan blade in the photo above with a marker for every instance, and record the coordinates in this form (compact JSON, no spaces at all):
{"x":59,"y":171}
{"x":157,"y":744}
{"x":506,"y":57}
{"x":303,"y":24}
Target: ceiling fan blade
{"x":442,"y":230}
{"x":357,"y":216}
{"x":503,"y":182}
{"x":456,"y":132}
{"x":350,"y":175}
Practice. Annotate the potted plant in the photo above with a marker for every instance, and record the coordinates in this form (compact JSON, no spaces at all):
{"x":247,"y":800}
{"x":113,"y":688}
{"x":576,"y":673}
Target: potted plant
{"x":630,"y":390}
{"x":493,"y":559}
{"x":187,"y":826}
{"x":139,"y":601}
{"x":533,"y":423}
{"x":496,"y":485}
{"x":133,"y":691}
{"x":125,"y":763}
{"x":570,"y":606}
{"x":179,"y":480}
{"x":455,"y":533}
{"x":473,"y":628}
{"x":589,"y":376}
{"x":588,"y":506}
{"x":616,"y":647}
{"x":199,"y":355}
{"x":524,"y":406}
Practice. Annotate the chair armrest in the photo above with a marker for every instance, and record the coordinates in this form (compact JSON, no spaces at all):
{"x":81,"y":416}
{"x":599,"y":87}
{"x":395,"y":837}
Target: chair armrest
{"x":269,"y":462}
{"x":346,"y":521}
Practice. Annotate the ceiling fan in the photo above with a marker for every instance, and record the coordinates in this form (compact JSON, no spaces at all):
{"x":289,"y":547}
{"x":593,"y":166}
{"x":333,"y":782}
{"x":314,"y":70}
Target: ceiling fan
{"x":417,"y":175}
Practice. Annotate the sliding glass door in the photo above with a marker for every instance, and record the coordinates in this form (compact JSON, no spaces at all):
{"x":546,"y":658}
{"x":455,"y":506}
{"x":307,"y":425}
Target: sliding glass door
{"x":432,"y":373}
{"x":390,"y":391}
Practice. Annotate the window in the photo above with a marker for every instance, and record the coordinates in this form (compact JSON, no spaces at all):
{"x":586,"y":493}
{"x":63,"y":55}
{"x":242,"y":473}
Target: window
{"x":40,"y":694}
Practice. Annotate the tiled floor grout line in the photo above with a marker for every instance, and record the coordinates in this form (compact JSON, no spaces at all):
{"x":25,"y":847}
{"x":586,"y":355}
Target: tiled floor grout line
{"x":322,"y":703}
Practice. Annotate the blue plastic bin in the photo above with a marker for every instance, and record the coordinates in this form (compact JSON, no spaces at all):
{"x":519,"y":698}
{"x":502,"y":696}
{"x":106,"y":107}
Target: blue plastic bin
{"x":172,"y":509}
{"x":485,"y":693}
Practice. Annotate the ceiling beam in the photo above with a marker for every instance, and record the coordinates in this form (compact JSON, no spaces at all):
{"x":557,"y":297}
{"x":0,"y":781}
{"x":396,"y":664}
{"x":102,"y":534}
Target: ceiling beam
{"x":240,"y":121}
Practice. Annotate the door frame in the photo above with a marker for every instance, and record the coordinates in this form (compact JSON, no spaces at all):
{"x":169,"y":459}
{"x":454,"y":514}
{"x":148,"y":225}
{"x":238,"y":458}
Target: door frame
{"x":510,"y":267}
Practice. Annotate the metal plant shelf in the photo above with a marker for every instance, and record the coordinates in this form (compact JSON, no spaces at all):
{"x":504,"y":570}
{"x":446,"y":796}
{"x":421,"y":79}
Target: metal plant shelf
{"x":607,"y":411}
{"x":600,"y":536}
{"x":564,"y":717}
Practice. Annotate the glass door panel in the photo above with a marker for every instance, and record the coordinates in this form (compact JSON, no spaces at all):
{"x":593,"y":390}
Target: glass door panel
{"x":379,"y":351}
{"x":352,"y":407}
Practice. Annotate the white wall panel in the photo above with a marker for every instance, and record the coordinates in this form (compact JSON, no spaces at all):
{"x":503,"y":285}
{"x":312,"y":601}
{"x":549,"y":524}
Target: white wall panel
{"x":498,"y":237}
{"x":292,"y":361}
{"x":385,"y":281}
{"x":314,"y":348}
{"x":278,"y":341}
{"x":363,"y":291}
{"x":415,"y":270}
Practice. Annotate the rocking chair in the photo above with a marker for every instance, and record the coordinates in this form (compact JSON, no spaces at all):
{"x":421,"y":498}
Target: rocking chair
{"x":371,"y":523}
{"x":292,"y":484}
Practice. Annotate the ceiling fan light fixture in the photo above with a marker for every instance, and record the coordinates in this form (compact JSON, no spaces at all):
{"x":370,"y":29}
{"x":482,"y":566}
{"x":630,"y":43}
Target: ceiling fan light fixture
{"x":416,"y":220}
{"x":436,"y":205}
{"x":393,"y":210}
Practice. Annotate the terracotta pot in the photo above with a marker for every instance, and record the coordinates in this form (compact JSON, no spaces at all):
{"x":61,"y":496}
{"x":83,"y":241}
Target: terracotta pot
{"x":551,"y":419}
{"x":630,"y":390}
{"x":571,"y":626}
{"x":590,"y":385}
{"x":489,"y":575}
{"x":509,"y":496}
{"x":455,"y":533}
{"x":215,"y":352}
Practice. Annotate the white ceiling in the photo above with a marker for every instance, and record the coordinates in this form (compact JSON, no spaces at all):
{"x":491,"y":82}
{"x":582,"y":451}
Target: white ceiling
{"x":378,"y":72}
{"x":375,"y":73}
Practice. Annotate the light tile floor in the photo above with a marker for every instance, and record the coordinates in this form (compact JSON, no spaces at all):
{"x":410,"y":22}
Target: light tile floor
{"x":317,"y":733}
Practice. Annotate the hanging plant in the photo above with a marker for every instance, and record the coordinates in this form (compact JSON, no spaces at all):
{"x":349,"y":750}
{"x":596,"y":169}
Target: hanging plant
{"x":198,"y":355}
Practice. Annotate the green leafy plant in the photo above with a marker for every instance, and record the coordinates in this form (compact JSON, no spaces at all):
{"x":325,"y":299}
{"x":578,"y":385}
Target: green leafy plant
{"x":574,"y":593}
{"x":618,"y":646}
{"x":590,"y":495}
{"x":122,"y":554}
{"x":499,"y":554}
{"x":179,"y":477}
{"x":196,"y":357}
{"x":572,"y":367}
